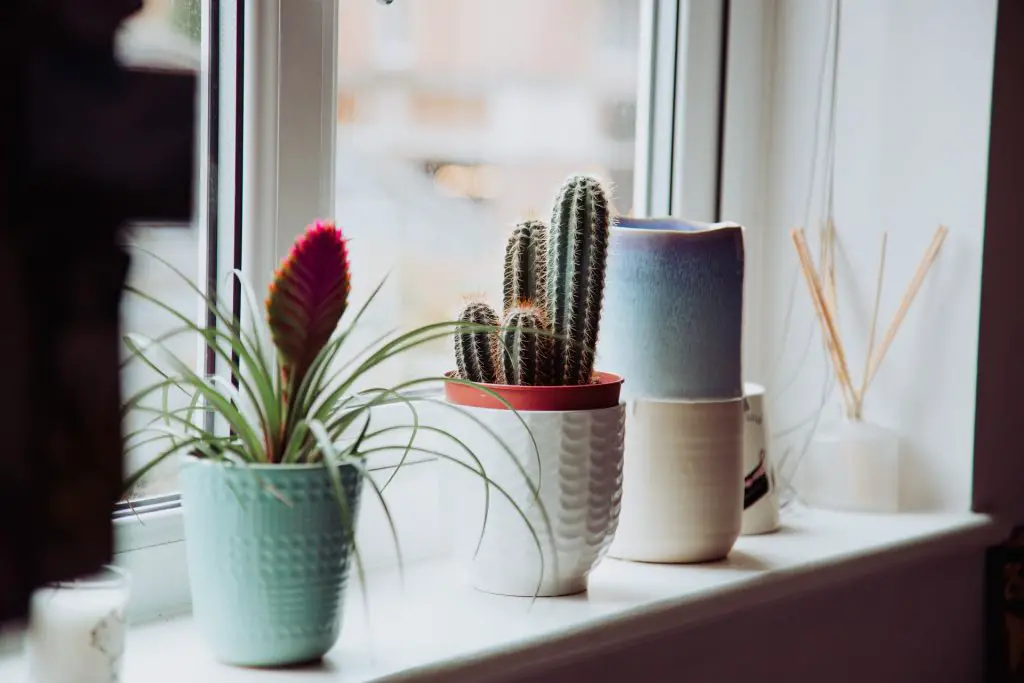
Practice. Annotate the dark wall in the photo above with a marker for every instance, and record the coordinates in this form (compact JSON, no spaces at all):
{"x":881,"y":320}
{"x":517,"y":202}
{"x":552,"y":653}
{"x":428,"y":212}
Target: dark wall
{"x":999,"y":426}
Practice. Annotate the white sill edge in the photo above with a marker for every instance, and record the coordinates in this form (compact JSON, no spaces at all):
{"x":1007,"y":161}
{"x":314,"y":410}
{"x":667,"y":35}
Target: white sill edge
{"x":437,"y":625}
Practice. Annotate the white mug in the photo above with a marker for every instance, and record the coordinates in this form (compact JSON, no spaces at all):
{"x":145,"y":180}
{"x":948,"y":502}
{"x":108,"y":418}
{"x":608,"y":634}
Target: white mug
{"x":760,"y":493}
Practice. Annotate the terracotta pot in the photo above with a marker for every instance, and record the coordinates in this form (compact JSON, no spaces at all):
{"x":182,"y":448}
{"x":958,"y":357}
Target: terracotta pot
{"x":562,"y":468}
{"x":682,"y":498}
{"x":603,"y":393}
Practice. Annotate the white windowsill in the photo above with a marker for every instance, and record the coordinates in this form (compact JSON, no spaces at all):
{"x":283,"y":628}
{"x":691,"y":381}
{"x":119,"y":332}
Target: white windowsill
{"x":436,"y":624}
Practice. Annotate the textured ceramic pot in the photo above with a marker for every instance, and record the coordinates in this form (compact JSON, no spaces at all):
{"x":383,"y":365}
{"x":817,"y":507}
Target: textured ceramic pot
{"x":760,"y":495}
{"x":682,"y":496}
{"x":267,"y":576}
{"x":562,"y":469}
{"x":673,"y":308}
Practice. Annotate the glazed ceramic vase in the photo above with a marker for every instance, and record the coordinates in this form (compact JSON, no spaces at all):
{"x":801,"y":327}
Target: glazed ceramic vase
{"x":760,"y":494}
{"x":559,"y":473}
{"x":673,"y":317}
{"x":673,"y":309}
{"x":268,"y":552}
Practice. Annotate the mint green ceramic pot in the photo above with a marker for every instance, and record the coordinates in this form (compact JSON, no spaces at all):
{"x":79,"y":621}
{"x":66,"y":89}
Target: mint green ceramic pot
{"x":267,"y":576}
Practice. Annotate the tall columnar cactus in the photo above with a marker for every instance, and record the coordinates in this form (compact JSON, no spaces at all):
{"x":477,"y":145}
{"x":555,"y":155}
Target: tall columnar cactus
{"x":576,"y":258}
{"x":526,"y":346}
{"x":476,"y":350}
{"x":525,"y":269}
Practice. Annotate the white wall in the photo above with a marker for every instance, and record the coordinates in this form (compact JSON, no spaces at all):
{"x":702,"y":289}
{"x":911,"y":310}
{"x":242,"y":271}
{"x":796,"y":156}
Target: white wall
{"x":911,"y":153}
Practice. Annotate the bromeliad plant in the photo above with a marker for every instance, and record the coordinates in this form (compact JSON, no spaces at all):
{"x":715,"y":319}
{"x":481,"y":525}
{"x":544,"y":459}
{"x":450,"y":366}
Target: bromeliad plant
{"x":285,"y":404}
{"x":292,"y":402}
{"x":553,"y":287}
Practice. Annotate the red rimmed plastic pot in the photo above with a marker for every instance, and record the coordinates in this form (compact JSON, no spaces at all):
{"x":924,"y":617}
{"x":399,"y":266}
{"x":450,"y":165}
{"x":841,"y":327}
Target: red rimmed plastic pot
{"x":557,"y":453}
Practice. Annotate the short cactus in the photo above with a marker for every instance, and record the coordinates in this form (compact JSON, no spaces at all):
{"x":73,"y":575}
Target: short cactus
{"x":525,"y":270}
{"x":576,"y":258}
{"x":475,"y":349}
{"x":526,"y":346}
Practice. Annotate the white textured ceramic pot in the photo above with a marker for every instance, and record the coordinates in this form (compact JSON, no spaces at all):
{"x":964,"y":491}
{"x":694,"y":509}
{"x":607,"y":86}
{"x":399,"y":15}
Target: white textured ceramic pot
{"x":760,"y":495}
{"x":682,"y":498}
{"x":563,"y":471}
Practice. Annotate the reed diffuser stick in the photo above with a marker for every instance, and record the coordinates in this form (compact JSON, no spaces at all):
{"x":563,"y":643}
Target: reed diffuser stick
{"x":828,"y":268}
{"x":908,"y":298}
{"x":871,"y":332}
{"x":832,"y":340}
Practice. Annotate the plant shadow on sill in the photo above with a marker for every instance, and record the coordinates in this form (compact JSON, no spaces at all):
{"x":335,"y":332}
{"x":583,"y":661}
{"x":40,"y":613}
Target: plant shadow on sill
{"x":323,"y":665}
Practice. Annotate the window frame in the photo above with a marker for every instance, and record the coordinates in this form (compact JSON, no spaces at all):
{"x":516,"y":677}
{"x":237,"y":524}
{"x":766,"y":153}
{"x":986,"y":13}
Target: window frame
{"x":273,"y":153}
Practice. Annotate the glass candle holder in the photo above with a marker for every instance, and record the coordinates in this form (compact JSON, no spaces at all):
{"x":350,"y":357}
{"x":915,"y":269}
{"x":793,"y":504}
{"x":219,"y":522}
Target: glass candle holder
{"x":854,"y":466}
{"x":76,"y":629}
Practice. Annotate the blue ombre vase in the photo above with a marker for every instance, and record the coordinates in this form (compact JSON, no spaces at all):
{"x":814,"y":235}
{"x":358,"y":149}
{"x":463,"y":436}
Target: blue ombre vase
{"x":673,"y":309}
{"x":268,"y":554}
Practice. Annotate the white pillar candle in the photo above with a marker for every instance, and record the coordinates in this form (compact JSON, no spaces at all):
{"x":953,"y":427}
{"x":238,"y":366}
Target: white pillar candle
{"x":76,"y":629}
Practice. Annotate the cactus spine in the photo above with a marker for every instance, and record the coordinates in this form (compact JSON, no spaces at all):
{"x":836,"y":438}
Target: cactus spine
{"x":475,"y":349}
{"x":576,"y":258}
{"x":525,"y":352}
{"x":525,"y":269}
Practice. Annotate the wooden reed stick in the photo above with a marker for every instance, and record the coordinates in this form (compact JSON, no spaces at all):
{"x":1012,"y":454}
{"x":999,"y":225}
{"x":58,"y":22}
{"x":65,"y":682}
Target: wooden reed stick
{"x":871,"y":332}
{"x":831,"y":334}
{"x":829,"y":330}
{"x":908,"y":298}
{"x":828,"y":269}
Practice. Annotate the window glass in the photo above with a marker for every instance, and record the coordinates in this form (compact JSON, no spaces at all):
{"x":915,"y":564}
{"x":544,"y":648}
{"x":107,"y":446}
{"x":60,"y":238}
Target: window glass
{"x":163,"y":34}
{"x":458,"y":118}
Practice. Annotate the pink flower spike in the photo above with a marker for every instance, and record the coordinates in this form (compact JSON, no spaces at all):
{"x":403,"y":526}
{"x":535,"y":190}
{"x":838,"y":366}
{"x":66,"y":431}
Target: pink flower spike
{"x":308,"y":296}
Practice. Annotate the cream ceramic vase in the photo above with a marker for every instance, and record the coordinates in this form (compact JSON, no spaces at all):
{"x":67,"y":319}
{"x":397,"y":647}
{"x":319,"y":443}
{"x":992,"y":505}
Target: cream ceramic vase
{"x":559,"y":473}
{"x":682,"y":496}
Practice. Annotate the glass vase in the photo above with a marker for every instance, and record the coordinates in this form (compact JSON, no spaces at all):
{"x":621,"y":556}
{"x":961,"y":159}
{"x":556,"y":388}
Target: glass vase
{"x":852,"y":465}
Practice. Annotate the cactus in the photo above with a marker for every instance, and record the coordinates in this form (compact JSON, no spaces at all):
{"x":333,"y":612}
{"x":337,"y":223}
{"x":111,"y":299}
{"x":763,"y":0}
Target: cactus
{"x":576,"y":258}
{"x":525,"y":270}
{"x":475,"y":350}
{"x":526,"y":349}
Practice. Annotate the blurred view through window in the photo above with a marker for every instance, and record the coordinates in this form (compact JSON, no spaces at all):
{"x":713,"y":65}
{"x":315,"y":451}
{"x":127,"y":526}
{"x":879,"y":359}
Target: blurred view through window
{"x":163,"y":34}
{"x":458,"y":118}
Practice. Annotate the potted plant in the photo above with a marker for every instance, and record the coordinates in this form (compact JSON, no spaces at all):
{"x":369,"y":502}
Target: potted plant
{"x":527,"y":378}
{"x":271,"y":496}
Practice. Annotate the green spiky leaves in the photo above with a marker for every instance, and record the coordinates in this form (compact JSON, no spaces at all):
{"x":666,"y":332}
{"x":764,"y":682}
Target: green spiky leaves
{"x":576,"y":259}
{"x":475,"y":344}
{"x":526,"y":346}
{"x":308,"y":296}
{"x":525,"y":270}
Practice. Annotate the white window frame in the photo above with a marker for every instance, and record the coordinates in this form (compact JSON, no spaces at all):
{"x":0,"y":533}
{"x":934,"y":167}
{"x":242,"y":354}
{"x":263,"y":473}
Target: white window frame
{"x":284,"y":140}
